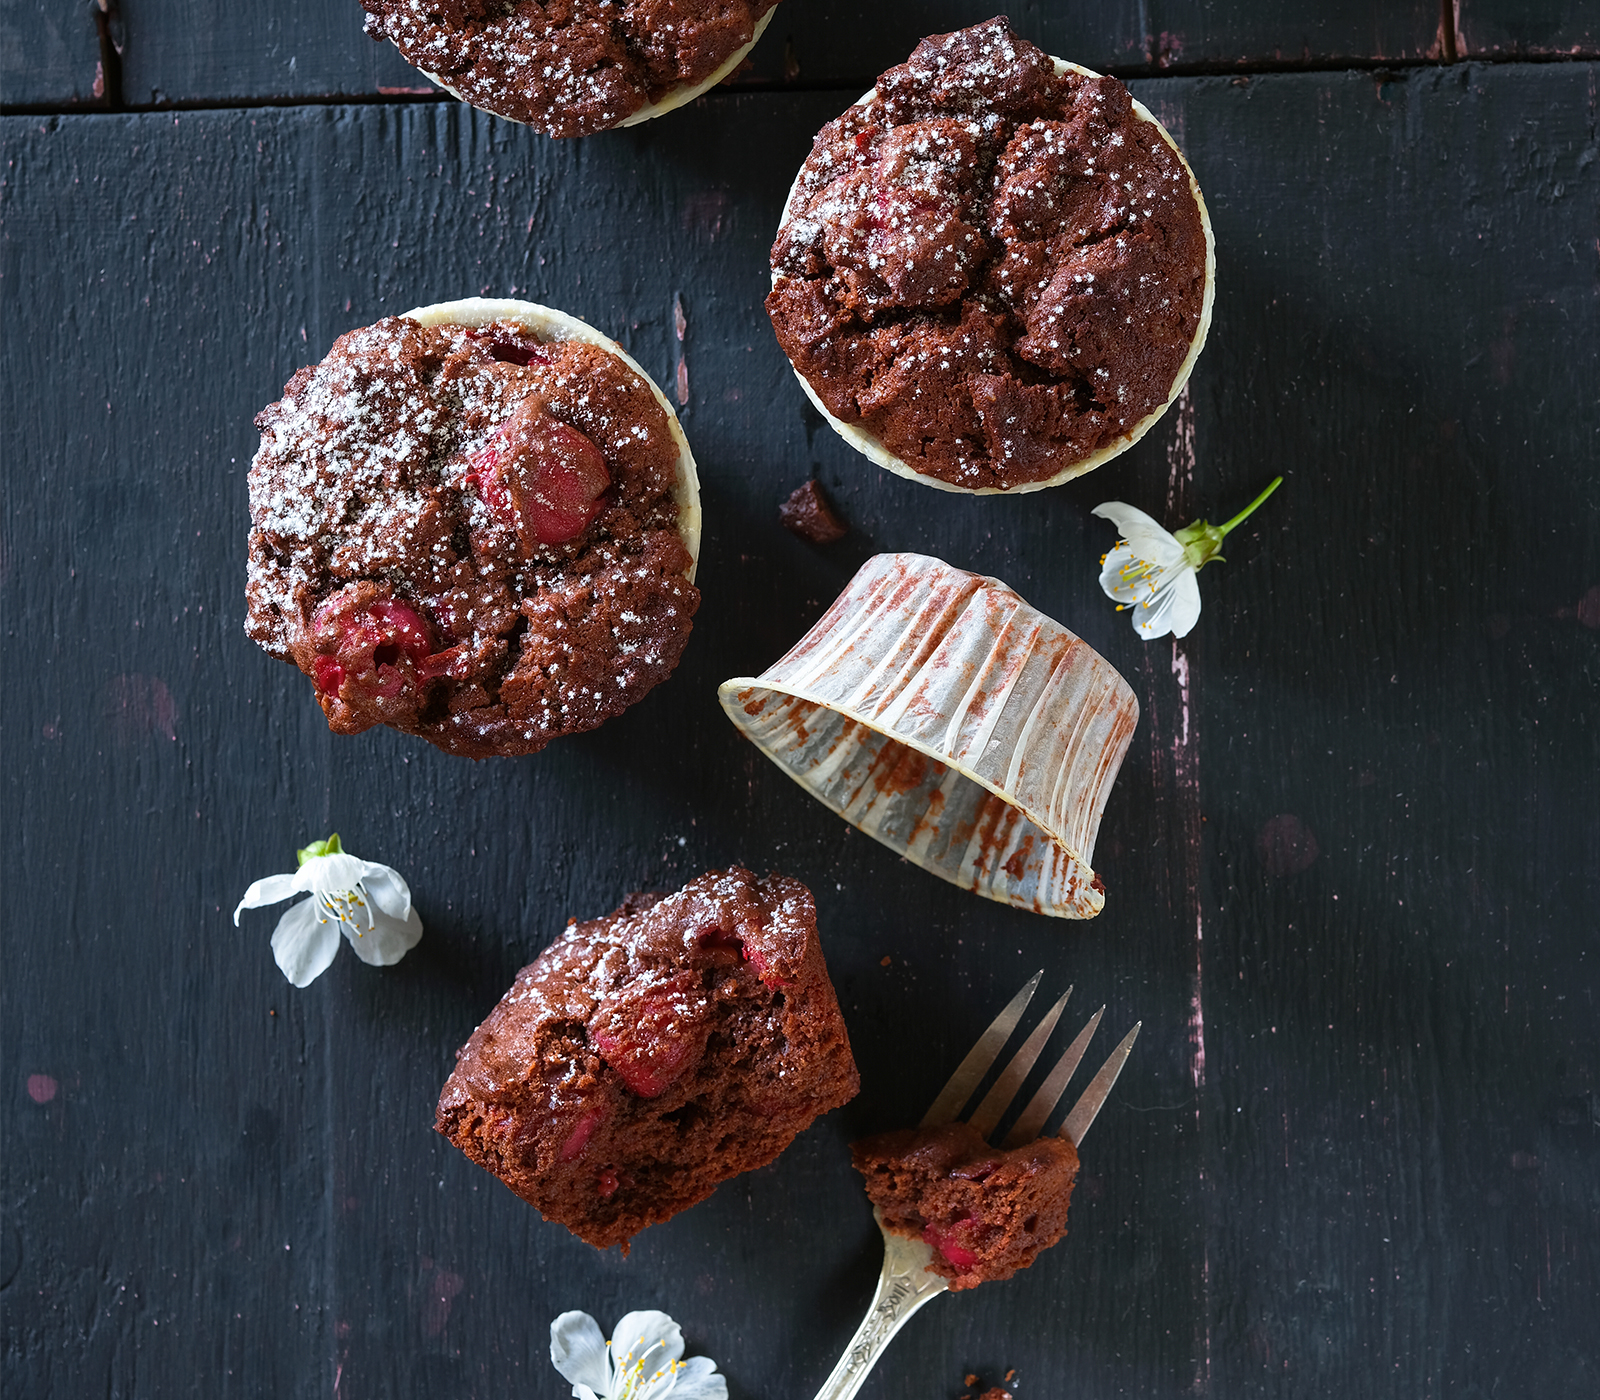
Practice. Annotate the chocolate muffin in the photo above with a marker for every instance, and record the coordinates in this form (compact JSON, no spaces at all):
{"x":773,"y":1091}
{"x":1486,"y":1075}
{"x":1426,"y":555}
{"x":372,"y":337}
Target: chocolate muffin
{"x":574,"y":66}
{"x":476,"y":523}
{"x":985,"y":1212}
{"x":649,"y":1055}
{"x":994,"y":271}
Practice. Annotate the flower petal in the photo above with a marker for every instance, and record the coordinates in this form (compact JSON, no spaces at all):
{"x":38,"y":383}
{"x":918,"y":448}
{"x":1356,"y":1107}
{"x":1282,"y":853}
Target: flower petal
{"x":649,"y":1341}
{"x":271,"y":890}
{"x":386,"y":939}
{"x":1144,"y":534}
{"x":1133,"y":579}
{"x":699,"y":1381}
{"x":387,"y":890}
{"x":1175,"y":609}
{"x":332,"y":874}
{"x":578,"y":1351}
{"x":304,"y":944}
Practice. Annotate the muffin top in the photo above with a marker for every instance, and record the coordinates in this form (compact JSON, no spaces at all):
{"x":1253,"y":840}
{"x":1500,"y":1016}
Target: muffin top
{"x":469,"y":534}
{"x":647,"y":982}
{"x":994,"y":268}
{"x":568,"y":67}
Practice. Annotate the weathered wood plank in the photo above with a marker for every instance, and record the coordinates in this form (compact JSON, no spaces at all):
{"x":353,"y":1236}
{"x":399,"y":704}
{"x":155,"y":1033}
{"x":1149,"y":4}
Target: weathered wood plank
{"x":50,"y":53}
{"x":1351,"y":1152}
{"x":1406,"y":670}
{"x":1526,"y":28}
{"x":307,"y":49}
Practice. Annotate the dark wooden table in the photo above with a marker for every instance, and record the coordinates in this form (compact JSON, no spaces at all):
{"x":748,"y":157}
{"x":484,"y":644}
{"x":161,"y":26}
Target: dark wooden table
{"x":1353,"y":858}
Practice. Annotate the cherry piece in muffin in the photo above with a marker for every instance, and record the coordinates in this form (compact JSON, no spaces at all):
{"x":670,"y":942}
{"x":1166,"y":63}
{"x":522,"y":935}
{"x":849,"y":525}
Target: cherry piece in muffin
{"x":481,"y":534}
{"x":646,"y":1056}
{"x":985,"y":1212}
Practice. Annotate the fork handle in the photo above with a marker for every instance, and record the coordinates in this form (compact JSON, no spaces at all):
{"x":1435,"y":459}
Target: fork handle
{"x":905,"y":1284}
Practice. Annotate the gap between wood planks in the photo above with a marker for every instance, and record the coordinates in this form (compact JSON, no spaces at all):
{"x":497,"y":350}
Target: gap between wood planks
{"x":111,"y":34}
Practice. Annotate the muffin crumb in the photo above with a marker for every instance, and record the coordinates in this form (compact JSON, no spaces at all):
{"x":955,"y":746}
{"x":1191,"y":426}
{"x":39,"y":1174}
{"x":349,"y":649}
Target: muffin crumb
{"x":810,"y":515}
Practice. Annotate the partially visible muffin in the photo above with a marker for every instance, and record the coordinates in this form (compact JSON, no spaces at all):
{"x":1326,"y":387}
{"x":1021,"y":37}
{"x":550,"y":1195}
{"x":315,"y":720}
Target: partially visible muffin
{"x":985,"y":1212}
{"x":649,"y":1055}
{"x":480,"y":530}
{"x":995,"y":270}
{"x":572,"y":67}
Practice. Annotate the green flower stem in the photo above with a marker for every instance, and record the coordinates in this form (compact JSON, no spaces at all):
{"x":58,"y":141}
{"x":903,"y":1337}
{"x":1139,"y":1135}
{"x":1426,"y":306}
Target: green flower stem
{"x":1202,"y":542}
{"x":1244,"y":514}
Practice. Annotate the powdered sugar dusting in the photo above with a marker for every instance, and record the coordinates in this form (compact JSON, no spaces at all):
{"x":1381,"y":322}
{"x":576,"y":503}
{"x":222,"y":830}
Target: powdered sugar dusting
{"x":367,"y":489}
{"x":567,"y":69}
{"x":995,"y":268}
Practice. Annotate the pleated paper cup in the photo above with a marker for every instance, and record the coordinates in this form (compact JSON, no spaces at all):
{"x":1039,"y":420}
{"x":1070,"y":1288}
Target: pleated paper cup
{"x":669,"y":101}
{"x":939,"y":713}
{"x":870,"y":445}
{"x":551,"y":325}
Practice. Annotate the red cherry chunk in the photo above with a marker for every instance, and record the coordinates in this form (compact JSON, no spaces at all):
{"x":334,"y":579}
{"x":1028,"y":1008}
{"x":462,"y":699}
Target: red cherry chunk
{"x":540,"y":476}
{"x":945,"y":1242}
{"x":658,"y":1036}
{"x":509,"y":347}
{"x":578,"y":1138}
{"x":329,"y":675}
{"x":606,"y":1187}
{"x":380,"y":648}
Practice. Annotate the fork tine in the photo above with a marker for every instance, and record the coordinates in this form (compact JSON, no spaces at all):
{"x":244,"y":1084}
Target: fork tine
{"x":1043,"y":1103}
{"x":989,"y":1113}
{"x":969,"y":1073}
{"x":1084,"y":1111}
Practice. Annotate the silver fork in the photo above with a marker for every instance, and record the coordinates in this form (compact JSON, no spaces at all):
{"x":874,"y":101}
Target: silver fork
{"x":907,"y":1282}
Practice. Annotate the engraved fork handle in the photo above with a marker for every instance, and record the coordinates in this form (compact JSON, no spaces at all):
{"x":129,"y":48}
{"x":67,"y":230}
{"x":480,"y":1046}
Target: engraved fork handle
{"x":905,"y":1284}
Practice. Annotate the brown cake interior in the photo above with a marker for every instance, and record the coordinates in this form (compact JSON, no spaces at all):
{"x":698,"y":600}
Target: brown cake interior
{"x":646,"y":1056}
{"x":985,"y":1212}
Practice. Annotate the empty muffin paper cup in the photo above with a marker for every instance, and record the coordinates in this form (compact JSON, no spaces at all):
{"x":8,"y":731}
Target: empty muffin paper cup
{"x":872,"y":447}
{"x":552,"y":325}
{"x":938,"y":712}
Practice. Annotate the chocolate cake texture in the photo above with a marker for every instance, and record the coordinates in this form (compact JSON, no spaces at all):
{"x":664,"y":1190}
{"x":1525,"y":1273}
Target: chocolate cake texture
{"x":472,"y":533}
{"x":571,"y":67}
{"x":995,"y":268}
{"x":649,"y":1055}
{"x":985,"y":1212}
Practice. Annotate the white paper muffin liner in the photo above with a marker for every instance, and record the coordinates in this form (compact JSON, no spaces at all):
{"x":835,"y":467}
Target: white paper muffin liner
{"x":670,"y":100}
{"x":939,"y":713}
{"x":872,"y":446}
{"x":552,"y":325}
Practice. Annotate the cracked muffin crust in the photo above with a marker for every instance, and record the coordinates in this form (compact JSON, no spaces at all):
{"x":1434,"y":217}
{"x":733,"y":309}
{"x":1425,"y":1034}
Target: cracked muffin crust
{"x":995,"y":270}
{"x":572,"y":67}
{"x":649,"y":1055}
{"x":477,"y":524}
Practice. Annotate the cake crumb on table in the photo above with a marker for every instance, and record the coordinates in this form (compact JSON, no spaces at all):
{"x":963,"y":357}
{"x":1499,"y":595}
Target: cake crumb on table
{"x":809,"y":514}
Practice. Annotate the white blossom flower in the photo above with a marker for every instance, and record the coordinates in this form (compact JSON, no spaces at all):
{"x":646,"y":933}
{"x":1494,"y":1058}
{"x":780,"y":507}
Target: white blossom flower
{"x":1153,"y":571}
{"x":367,"y":902}
{"x":640,"y":1362}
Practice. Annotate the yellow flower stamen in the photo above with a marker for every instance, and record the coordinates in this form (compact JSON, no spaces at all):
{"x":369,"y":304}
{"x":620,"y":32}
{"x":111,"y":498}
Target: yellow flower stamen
{"x":340,"y":906}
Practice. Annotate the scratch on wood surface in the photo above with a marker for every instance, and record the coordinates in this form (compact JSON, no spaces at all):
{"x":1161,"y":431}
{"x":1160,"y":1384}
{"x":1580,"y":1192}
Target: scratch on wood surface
{"x":1176,"y":742}
{"x":680,"y":325}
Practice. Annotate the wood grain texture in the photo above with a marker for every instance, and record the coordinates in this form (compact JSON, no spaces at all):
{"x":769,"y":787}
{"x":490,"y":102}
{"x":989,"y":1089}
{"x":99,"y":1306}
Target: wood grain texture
{"x":308,"y":50}
{"x":1351,"y":860}
{"x":1526,"y":28}
{"x":49,"y":53}
{"x":299,"y":50}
